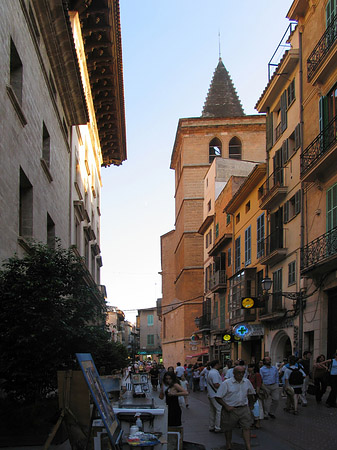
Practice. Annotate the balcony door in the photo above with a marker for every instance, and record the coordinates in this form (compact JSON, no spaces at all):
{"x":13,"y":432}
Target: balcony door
{"x":276,"y":230}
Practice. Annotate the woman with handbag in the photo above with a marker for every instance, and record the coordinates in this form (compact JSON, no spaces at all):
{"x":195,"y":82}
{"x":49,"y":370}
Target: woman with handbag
{"x":320,"y":376}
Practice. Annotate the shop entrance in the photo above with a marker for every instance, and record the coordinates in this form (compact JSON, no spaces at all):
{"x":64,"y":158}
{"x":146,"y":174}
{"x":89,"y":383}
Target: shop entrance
{"x":281,"y":347}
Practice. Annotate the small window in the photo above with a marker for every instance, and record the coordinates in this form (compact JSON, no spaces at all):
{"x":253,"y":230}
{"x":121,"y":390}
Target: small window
{"x":15,"y":77}
{"x":234,"y":151}
{"x":292,"y":273}
{"x":150,"y":339}
{"x":216,"y":230}
{"x":150,"y":320}
{"x":292,"y":207}
{"x":237,"y":218}
{"x":50,"y":232}
{"x":209,"y":205}
{"x":228,"y":219}
{"x":45,"y":145}
{"x":247,"y":206}
{"x":25,"y":207}
{"x":209,"y":238}
{"x":214,"y":150}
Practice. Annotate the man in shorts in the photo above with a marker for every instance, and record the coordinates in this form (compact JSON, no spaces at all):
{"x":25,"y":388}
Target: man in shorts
{"x":236,"y":396}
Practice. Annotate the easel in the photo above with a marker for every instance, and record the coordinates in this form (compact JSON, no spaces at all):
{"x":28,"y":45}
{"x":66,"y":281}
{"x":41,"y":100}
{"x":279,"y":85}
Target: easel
{"x":66,"y":412}
{"x":68,"y":399}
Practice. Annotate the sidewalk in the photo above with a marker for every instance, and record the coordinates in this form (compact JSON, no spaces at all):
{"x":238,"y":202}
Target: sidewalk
{"x":314,"y":428}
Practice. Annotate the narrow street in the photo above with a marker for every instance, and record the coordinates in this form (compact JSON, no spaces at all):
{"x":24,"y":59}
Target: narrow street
{"x":314,"y":428}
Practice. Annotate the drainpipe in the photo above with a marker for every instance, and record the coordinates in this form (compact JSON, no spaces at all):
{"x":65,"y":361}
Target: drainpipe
{"x":300,"y":323}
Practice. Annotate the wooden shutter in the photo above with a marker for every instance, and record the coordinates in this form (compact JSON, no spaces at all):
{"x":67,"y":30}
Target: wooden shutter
{"x":298,"y":202}
{"x":284,"y":111}
{"x":286,"y":212}
{"x":298,"y":136}
{"x":269,"y":131}
{"x":284,"y":149}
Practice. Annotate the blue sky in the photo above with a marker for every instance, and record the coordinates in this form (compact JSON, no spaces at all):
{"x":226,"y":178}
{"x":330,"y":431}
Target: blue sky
{"x":170,"y":51}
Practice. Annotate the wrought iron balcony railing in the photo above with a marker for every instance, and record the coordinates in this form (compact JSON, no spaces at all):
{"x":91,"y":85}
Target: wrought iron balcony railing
{"x":274,"y":304}
{"x":273,"y":181}
{"x":320,"y":249}
{"x":274,"y":241}
{"x":205,"y":322}
{"x":322,"y":48}
{"x":319,"y":146}
{"x":218,"y":279}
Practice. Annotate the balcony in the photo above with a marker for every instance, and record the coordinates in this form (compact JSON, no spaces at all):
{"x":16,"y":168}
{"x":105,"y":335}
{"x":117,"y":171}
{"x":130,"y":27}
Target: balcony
{"x":274,"y":309}
{"x":238,"y":315}
{"x":318,"y":159}
{"x":274,"y":247}
{"x":273,"y":190}
{"x":205,"y":322}
{"x":323,"y":57}
{"x":218,"y":323}
{"x":218,"y":281}
{"x":320,"y":255}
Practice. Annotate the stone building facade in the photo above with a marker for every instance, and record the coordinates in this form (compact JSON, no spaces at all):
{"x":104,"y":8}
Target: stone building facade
{"x":222,"y":131}
{"x":149,"y":329}
{"x":57,"y":124}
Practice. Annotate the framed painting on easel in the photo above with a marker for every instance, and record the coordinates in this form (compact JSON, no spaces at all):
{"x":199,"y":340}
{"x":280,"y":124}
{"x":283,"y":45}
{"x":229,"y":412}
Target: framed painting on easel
{"x":100,"y":397}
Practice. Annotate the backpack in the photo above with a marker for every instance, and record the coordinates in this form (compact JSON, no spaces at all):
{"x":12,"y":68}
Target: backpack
{"x":296,"y":377}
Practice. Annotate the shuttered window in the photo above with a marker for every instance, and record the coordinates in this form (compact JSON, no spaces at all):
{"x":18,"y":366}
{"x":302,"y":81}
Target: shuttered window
{"x":331,"y":208}
{"x":269,"y":131}
{"x":248,"y":247}
{"x":237,"y":254}
{"x":260,"y":236}
{"x":284,"y":122}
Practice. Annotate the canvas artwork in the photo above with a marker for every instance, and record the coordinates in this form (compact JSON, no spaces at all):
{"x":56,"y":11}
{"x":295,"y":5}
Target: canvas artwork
{"x":99,"y":395}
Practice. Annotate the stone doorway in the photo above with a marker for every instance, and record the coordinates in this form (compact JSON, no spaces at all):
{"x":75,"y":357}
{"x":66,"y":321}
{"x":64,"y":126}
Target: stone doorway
{"x":281,"y":347}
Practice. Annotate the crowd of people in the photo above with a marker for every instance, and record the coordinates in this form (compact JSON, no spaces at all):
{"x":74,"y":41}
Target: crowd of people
{"x":241,"y":394}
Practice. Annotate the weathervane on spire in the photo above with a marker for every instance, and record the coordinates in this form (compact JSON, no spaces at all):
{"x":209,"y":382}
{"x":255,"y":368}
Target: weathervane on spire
{"x":219,"y":46}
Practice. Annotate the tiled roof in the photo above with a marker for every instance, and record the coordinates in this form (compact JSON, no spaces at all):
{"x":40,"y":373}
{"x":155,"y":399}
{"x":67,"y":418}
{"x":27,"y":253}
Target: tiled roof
{"x":222,"y":99}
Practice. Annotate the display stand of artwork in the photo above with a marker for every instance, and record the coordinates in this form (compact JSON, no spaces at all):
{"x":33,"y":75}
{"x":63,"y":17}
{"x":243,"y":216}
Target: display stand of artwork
{"x":100,"y":398}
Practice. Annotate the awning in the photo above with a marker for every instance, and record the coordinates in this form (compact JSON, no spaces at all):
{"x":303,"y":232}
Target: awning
{"x":197,"y":354}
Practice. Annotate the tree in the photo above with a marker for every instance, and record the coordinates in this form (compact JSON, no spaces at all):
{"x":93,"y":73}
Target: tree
{"x":48,"y":312}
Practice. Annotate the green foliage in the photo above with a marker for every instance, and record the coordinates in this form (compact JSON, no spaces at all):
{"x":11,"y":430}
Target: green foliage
{"x":48,"y":312}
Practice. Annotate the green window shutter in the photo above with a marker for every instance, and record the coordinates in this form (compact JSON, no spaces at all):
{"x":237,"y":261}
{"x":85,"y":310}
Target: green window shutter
{"x":298,"y":202}
{"x":222,"y":311}
{"x":330,"y":11}
{"x":331,"y":208}
{"x":284,"y":122}
{"x":217,"y":230}
{"x":286,"y":212}
{"x":284,"y":151}
{"x":298,"y":136}
{"x":269,"y":131}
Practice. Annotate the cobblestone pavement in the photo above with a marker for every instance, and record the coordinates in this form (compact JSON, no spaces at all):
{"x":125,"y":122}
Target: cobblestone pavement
{"x":314,"y":428}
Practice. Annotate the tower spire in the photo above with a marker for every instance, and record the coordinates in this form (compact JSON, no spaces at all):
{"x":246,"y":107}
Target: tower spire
{"x":219,"y":47}
{"x":222,"y":99}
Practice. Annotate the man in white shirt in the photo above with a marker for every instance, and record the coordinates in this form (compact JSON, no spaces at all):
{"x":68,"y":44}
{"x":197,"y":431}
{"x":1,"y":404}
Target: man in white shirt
{"x":179,"y":370}
{"x":234,"y":395}
{"x":213,"y":384}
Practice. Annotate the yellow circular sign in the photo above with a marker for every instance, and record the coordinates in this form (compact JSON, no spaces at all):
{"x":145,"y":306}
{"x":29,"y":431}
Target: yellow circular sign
{"x":248,"y":302}
{"x":226,"y":337}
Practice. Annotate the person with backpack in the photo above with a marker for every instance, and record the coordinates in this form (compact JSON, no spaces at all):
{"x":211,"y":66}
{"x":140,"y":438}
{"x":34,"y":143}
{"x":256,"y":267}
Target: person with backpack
{"x":294,"y":377}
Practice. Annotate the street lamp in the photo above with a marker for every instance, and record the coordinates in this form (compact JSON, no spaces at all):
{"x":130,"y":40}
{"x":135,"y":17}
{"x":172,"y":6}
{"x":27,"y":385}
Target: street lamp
{"x":266,"y":284}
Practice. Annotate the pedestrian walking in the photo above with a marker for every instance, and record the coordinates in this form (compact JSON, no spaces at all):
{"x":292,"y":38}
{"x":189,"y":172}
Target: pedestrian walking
{"x":203,"y":377}
{"x":189,"y":376}
{"x":172,"y":390}
{"x":213,"y":384}
{"x":255,"y":378}
{"x":331,"y":400}
{"x":305,"y":363}
{"x":184,"y":385}
{"x":320,"y":375}
{"x":270,"y":380}
{"x":179,"y":371}
{"x":294,"y":376}
{"x":236,"y":396}
{"x":154,"y":375}
{"x":196,"y":378}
